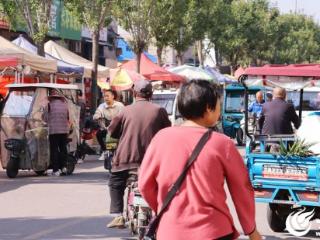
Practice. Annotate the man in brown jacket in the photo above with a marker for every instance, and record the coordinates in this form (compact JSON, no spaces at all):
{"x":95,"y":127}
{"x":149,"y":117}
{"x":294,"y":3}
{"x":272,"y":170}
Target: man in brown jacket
{"x":135,"y":126}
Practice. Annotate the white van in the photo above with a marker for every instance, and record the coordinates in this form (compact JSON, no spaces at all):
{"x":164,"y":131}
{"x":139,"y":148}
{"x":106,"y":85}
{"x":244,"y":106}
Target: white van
{"x":310,"y":125}
{"x":167,"y":98}
{"x":310,"y":103}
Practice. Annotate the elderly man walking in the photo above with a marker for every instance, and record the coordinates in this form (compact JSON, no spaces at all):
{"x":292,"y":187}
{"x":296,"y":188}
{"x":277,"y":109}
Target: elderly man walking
{"x":277,"y":115}
{"x":135,"y":126}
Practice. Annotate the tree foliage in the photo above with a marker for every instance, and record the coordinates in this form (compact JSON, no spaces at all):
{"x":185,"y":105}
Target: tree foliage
{"x":244,"y":35}
{"x":135,"y":16}
{"x":35,"y":15}
{"x":250,"y":32}
{"x":94,"y":14}
{"x":297,"y":40}
{"x":161,"y":24}
{"x":182,"y":36}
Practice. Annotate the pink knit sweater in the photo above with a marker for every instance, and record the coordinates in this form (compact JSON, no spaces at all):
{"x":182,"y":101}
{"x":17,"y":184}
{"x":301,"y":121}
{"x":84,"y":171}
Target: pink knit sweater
{"x":199,"y":209}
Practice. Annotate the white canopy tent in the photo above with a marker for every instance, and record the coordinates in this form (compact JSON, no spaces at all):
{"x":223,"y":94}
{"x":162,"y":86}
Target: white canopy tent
{"x":36,"y":63}
{"x":64,"y":54}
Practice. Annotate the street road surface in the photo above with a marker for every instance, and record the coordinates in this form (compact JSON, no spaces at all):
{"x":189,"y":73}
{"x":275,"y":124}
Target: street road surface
{"x":74,"y":207}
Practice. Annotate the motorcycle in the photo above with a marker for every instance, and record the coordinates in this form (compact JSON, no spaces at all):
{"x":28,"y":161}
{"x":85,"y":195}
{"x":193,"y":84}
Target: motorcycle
{"x":138,"y":213}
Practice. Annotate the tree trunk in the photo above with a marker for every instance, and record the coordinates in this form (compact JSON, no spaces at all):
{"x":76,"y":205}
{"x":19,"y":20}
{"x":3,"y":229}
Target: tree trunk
{"x":179,"y":58}
{"x":139,"y":60}
{"x":218,"y":58}
{"x":159,"y":55}
{"x":40,"y":47}
{"x":95,"y":52}
{"x":199,"y":51}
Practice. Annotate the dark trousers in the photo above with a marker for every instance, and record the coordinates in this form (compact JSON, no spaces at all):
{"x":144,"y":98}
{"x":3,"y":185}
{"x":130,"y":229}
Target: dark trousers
{"x":101,"y":136}
{"x":226,"y":237}
{"x":58,"y":149}
{"x":118,"y":182}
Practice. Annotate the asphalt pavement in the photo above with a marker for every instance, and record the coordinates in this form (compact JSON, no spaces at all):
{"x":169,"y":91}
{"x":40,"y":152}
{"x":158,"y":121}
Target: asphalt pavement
{"x":75,"y":207}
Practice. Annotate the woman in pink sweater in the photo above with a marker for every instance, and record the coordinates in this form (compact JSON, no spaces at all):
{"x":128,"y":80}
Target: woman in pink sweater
{"x":199,"y":209}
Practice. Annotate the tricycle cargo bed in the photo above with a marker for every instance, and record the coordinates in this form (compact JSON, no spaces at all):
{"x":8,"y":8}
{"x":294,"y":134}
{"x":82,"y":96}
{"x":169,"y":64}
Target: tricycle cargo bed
{"x":289,"y":180}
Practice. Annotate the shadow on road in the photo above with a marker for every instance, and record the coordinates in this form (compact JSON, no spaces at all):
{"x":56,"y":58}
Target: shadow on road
{"x":79,"y":228}
{"x":89,"y":172}
{"x":66,"y":228}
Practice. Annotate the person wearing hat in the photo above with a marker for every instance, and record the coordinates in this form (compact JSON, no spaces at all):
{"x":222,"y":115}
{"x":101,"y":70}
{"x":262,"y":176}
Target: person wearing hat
{"x":58,"y":123}
{"x":104,"y":114}
{"x":135,"y":126}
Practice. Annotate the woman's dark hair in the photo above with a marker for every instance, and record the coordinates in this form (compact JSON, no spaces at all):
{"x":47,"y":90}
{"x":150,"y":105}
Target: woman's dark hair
{"x":113,"y":92}
{"x":195,"y":96}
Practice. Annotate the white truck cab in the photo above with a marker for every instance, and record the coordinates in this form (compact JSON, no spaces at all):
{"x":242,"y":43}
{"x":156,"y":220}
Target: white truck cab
{"x":167,"y":98}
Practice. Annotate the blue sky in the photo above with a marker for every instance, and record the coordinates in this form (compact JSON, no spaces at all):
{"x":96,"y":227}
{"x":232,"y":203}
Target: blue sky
{"x":308,"y":7}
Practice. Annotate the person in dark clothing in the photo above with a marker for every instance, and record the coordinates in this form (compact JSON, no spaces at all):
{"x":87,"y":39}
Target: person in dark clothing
{"x":135,"y":126}
{"x":277,"y":115}
{"x":58,"y":122}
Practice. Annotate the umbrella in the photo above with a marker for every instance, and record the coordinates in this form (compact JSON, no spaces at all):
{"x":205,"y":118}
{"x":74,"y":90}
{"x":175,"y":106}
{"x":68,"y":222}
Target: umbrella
{"x":221,"y":77}
{"x":239,"y":72}
{"x":191,"y":72}
{"x":152,"y":71}
{"x":121,"y":79}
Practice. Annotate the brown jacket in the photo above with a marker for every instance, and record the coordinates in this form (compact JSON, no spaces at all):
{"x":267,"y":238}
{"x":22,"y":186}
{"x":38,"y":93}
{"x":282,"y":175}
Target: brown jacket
{"x":135,"y":126}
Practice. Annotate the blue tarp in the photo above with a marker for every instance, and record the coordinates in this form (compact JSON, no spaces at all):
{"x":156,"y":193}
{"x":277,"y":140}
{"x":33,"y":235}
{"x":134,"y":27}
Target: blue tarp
{"x":63,"y":67}
{"x":128,"y":54}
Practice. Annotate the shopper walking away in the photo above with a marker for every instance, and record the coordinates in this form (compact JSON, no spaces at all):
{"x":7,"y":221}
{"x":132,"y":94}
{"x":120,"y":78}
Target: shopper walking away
{"x":104,"y":114}
{"x":135,"y":126}
{"x":58,"y":123}
{"x":198,"y":209}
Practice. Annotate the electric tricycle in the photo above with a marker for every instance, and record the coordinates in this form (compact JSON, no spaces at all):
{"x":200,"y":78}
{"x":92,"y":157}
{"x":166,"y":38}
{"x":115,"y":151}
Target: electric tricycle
{"x":288,"y":178}
{"x":233,"y":110}
{"x":24,"y":130}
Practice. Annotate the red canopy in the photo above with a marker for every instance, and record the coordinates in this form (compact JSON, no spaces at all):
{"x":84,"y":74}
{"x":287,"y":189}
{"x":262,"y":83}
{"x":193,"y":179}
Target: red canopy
{"x":151,"y":70}
{"x":8,"y":62}
{"x":239,"y":72}
{"x":293,"y":70}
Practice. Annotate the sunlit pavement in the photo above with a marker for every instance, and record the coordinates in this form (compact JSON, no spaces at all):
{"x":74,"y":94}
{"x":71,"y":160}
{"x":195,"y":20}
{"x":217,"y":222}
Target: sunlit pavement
{"x":74,"y":207}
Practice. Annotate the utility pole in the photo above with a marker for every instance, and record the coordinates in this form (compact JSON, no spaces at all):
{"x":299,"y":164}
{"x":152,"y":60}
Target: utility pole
{"x":296,"y":5}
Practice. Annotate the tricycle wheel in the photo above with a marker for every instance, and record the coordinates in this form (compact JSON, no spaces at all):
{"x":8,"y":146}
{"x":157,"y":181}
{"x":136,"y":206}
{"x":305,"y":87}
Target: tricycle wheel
{"x":240,"y":137}
{"x":276,"y":221}
{"x":70,"y":168}
{"x":133,"y":226}
{"x":141,"y":233}
{"x":70,"y":164}
{"x":12,"y":167}
{"x":40,"y":173}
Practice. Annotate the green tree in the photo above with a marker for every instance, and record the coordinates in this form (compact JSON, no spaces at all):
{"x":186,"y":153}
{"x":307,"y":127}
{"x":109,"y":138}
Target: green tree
{"x":135,"y":16}
{"x":35,"y":16}
{"x":201,"y":14}
{"x":182,"y":36}
{"x":94,"y":14}
{"x":243,"y":32}
{"x":161,"y":25}
{"x":297,"y":39}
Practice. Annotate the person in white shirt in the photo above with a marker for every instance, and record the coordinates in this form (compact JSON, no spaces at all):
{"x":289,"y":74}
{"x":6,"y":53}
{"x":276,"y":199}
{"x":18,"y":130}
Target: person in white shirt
{"x":104,"y":114}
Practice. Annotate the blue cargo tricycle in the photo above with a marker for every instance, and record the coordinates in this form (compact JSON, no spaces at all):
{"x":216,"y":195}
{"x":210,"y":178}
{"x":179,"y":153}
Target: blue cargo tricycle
{"x":289,"y":183}
{"x":233,"y":110}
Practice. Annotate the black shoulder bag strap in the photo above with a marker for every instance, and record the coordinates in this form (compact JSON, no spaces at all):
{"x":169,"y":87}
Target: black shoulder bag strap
{"x":151,"y":232}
